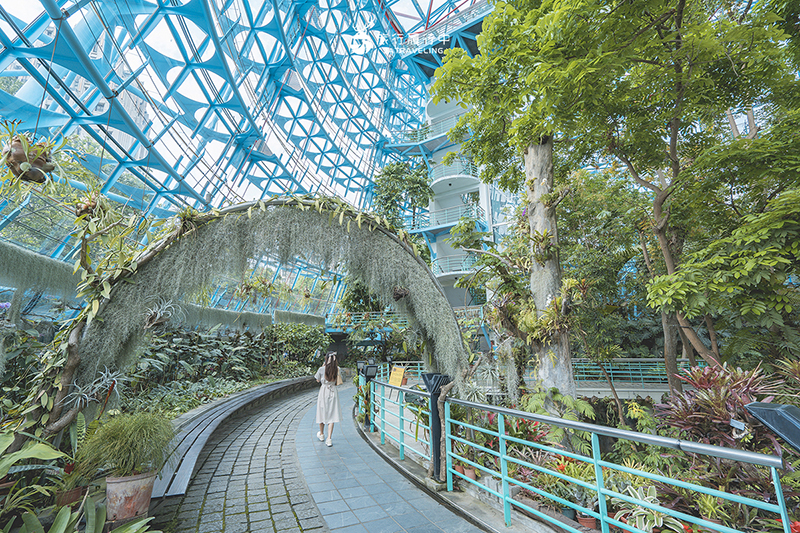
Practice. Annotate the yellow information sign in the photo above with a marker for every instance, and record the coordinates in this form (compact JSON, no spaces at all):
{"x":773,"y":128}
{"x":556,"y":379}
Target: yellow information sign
{"x":396,"y":377}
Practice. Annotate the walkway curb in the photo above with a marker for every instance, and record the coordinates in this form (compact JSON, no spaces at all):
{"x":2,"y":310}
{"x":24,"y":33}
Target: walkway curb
{"x":474,"y":511}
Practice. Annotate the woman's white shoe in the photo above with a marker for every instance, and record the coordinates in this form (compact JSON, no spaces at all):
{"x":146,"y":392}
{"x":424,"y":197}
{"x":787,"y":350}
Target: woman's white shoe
{"x":328,"y":442}
{"x":319,"y":436}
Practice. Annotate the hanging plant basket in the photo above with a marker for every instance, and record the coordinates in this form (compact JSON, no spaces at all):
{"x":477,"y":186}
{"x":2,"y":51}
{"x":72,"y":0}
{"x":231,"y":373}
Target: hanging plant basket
{"x":28,"y":162}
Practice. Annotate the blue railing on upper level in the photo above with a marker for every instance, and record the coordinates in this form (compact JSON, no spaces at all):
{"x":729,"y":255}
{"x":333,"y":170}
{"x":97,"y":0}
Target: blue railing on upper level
{"x":633,"y":370}
{"x":588,"y":485}
{"x":345,"y":321}
{"x":642,"y":371}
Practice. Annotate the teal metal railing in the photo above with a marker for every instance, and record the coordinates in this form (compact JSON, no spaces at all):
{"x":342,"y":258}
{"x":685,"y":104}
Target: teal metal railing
{"x":348,"y":321}
{"x":409,"y":419}
{"x":466,"y":443}
{"x":413,"y":369}
{"x":638,"y":370}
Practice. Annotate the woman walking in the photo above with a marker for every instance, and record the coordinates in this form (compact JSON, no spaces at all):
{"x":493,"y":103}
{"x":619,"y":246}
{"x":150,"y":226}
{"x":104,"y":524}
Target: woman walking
{"x":328,"y":400}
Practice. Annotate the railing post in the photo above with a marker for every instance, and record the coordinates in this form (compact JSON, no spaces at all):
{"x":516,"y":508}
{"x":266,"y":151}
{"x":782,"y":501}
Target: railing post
{"x":361,"y":405}
{"x":401,"y":424}
{"x":776,"y":481}
{"x":383,"y":414}
{"x":501,"y":432}
{"x":598,"y":474}
{"x":371,"y":411}
{"x":448,"y":446}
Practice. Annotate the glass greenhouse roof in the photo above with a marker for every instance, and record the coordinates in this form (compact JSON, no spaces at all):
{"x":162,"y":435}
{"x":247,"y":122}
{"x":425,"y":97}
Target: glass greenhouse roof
{"x":207,"y":103}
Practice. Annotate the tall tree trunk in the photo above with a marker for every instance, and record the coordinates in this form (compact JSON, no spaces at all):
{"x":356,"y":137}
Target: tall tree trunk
{"x":669,"y":323}
{"x":688,"y":351}
{"x":554,"y":360}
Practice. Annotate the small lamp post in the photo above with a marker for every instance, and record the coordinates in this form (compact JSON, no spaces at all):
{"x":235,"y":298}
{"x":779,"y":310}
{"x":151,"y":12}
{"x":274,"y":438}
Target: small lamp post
{"x":370,"y":371}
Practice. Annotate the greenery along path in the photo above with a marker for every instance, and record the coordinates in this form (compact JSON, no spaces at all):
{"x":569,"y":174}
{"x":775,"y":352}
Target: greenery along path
{"x":249,"y":479}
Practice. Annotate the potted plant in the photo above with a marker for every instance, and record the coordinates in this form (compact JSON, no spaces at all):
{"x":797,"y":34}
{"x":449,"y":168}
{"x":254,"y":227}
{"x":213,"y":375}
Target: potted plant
{"x":642,"y":517}
{"x":586,"y":498}
{"x":26,"y":159}
{"x":70,"y":485}
{"x":130,"y":449}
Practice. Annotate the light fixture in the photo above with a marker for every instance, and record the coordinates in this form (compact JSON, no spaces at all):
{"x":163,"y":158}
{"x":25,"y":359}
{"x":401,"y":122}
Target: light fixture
{"x":783,"y":420}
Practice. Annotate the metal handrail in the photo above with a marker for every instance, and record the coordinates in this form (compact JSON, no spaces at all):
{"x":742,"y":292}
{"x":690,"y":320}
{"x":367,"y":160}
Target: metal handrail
{"x":441,"y":31}
{"x":355,"y":320}
{"x":459,"y":168}
{"x":431,"y":130}
{"x":446,"y":216}
{"x":452,"y":263}
{"x":643,"y":438}
{"x":596,"y":486}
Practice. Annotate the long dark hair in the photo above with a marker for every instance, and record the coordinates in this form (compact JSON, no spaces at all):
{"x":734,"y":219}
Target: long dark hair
{"x":331,"y":368}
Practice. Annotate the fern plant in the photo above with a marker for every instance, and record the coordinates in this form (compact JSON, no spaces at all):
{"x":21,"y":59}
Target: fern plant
{"x":551,"y":402}
{"x":128,"y":445}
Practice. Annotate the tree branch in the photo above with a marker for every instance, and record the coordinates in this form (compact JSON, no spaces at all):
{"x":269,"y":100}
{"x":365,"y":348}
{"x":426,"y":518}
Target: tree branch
{"x":635,"y":174}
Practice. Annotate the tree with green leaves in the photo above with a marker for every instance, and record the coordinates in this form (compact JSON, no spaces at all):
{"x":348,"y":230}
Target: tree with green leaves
{"x":399,"y":188}
{"x":743,"y":281}
{"x":647,"y":83}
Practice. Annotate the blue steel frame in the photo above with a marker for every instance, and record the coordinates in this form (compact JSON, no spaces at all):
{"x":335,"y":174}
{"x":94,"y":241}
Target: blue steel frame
{"x":210,"y":102}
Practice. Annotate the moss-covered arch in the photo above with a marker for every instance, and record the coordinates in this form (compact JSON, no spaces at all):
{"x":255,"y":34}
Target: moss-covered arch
{"x":198,"y":248}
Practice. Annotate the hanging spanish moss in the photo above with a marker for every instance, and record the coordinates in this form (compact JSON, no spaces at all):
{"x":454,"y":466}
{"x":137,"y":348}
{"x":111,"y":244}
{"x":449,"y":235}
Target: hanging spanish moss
{"x":506,"y":363}
{"x":196,"y":315}
{"x":335,"y":239}
{"x":25,"y":269}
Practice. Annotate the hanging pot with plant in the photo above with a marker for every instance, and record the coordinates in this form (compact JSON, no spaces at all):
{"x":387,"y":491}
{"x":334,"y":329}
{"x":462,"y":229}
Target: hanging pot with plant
{"x":26,"y":158}
{"x":28,"y":161}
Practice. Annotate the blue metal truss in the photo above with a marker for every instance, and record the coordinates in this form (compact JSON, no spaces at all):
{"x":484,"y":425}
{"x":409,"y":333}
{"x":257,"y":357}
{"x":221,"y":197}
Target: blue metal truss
{"x":202,"y":103}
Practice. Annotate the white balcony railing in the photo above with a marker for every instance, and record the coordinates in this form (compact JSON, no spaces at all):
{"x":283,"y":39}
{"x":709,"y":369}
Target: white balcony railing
{"x":445,"y":217}
{"x":452,"y":264}
{"x":459,"y":168}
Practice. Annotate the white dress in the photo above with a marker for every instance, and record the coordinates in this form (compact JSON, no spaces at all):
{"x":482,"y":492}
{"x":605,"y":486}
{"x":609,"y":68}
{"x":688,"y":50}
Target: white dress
{"x":328,"y":399}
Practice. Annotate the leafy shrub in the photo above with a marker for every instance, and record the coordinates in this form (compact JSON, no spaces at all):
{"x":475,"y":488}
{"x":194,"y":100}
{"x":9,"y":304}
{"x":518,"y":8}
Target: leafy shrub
{"x":178,"y":397}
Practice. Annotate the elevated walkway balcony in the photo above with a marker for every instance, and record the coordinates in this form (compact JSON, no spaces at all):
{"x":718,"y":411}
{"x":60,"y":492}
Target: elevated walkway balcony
{"x":426,"y":140}
{"x":344,"y":322}
{"x":453,"y":264}
{"x":459,"y":168}
{"x":444,"y":219}
{"x":440,"y":33}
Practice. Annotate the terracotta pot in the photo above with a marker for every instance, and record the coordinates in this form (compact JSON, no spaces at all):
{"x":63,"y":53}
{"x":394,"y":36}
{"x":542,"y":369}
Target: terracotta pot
{"x":69,"y":497}
{"x":128,"y":497}
{"x":470,"y":473}
{"x":459,"y":469}
{"x":587,"y":521}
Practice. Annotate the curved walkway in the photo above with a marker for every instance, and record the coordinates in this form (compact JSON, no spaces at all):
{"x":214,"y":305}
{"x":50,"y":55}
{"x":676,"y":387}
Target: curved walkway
{"x":265,"y":471}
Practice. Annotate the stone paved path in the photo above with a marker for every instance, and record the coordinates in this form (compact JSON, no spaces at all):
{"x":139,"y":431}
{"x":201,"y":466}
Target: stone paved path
{"x":266,"y":472}
{"x":249,"y":479}
{"x":358,"y":492}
